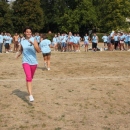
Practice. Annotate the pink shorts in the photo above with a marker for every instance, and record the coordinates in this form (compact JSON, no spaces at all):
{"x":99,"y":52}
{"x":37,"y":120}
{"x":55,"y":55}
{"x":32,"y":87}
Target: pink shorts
{"x":29,"y":71}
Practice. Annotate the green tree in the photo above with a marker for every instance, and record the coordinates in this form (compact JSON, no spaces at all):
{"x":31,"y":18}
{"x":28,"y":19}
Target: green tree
{"x":112,"y":14}
{"x":27,"y":13}
{"x":5,"y":17}
{"x":69,"y":15}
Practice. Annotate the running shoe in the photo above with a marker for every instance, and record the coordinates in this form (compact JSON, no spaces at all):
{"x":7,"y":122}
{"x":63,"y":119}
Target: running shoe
{"x":31,"y":99}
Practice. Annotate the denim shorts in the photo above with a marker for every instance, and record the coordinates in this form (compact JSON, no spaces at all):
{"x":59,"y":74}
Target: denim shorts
{"x":63,"y":44}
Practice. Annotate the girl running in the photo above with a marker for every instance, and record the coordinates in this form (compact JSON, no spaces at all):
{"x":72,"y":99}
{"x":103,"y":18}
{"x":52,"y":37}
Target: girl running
{"x":28,"y":48}
{"x":46,"y":51}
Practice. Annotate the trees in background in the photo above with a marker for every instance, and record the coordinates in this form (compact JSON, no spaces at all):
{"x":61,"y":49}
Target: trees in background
{"x":27,"y":13}
{"x":6,"y":23}
{"x":112,"y":14}
{"x":65,"y":15}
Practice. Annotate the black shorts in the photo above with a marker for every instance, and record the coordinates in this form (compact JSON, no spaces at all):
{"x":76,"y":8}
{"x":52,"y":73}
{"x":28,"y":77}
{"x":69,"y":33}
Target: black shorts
{"x":46,"y":54}
{"x":112,"y":41}
{"x":94,"y":45}
{"x":6,"y":45}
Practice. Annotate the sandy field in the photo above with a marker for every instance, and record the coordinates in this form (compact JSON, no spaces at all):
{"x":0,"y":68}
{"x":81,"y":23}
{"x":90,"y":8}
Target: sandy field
{"x":82,"y":91}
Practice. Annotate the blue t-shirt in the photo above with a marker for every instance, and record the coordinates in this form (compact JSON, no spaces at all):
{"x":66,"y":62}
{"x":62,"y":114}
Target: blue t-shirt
{"x":63,"y":39}
{"x":78,"y":38}
{"x":104,"y":38}
{"x":1,"y":39}
{"x":38,"y":38}
{"x":109,"y":39}
{"x":44,"y":45}
{"x":116,"y":38}
{"x":122,"y":37}
{"x":86,"y":38}
{"x":129,"y":38}
{"x":6,"y":38}
{"x":95,"y":39}
{"x":54,"y":40}
{"x":126,"y":38}
{"x":10,"y":39}
{"x":29,"y":52}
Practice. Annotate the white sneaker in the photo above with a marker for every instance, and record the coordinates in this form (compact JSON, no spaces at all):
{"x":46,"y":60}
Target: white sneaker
{"x":48,"y":68}
{"x":128,"y":50}
{"x":31,"y":99}
{"x":7,"y":52}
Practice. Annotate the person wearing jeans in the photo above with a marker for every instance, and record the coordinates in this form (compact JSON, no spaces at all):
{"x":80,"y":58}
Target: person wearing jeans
{"x":29,"y":47}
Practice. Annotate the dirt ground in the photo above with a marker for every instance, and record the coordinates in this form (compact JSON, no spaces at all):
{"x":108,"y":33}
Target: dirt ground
{"x":82,"y":91}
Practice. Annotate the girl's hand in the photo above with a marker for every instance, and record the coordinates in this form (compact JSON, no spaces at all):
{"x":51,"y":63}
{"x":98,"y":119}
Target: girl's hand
{"x":31,"y":42}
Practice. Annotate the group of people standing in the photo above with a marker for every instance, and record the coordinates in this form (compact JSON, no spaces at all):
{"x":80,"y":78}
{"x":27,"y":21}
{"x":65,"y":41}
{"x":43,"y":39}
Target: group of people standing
{"x":117,"y":41}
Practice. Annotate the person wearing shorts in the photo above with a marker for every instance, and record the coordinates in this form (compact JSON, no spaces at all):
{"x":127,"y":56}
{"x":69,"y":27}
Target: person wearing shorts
{"x":79,"y":39}
{"x":75,"y":43}
{"x":28,"y":48}
{"x":86,"y":42}
{"x":63,"y":43}
{"x":7,"y":39}
{"x":70,"y":41}
{"x":104,"y":38}
{"x":112,"y":40}
{"x":54,"y":41}
{"x":109,"y":42}
{"x":94,"y":42}
{"x":122,"y":38}
{"x":129,"y":41}
{"x":15,"y":41}
{"x":116,"y":41}
{"x":126,"y":41}
{"x":46,"y":50}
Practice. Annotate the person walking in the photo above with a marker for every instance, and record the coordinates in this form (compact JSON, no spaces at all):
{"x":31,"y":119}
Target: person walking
{"x":28,"y":48}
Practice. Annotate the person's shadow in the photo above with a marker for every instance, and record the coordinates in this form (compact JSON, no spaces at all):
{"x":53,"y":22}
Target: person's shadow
{"x":22,"y":95}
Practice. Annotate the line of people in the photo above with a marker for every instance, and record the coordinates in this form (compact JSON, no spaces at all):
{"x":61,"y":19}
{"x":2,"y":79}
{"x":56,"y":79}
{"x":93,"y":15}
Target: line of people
{"x":117,"y":41}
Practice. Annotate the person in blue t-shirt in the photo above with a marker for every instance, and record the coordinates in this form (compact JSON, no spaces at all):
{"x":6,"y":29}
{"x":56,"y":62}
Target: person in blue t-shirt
{"x":46,"y":50}
{"x":79,"y":39}
{"x":126,"y":41}
{"x":7,"y":40}
{"x":104,"y":38}
{"x":63,"y":43}
{"x":129,"y":41}
{"x":94,"y":42}
{"x":1,"y":41}
{"x":121,"y":39}
{"x":70,"y":42}
{"x":116,"y":41}
{"x":86,"y":42}
{"x":29,"y":47}
{"x":54,"y":42}
{"x":109,"y":42}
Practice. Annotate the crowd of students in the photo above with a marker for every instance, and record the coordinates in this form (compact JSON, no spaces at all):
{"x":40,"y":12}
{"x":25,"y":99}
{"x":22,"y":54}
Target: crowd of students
{"x":71,"y":42}
{"x":117,"y":41}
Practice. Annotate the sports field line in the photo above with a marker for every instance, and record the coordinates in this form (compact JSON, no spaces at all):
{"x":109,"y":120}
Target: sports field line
{"x":68,"y":78}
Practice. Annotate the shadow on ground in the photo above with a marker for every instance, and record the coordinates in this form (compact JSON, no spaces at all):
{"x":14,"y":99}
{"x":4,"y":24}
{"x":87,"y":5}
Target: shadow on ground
{"x":22,"y":95}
